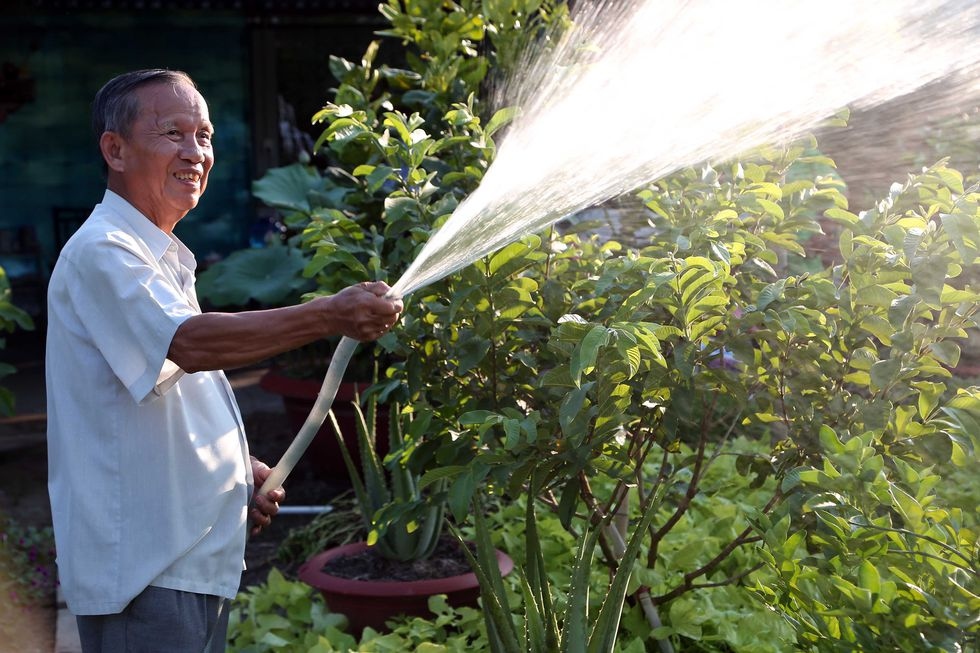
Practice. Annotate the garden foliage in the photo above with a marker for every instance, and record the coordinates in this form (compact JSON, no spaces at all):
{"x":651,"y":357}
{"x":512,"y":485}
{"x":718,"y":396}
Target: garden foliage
{"x":11,"y":318}
{"x":629,"y":390}
{"x":27,"y":563}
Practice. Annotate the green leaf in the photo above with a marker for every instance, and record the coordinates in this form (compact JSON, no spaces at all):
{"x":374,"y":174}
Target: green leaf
{"x":879,"y":327}
{"x":271,"y":276}
{"x":288,"y":187}
{"x":684,"y":619}
{"x":585,"y":355}
{"x":606,"y":627}
{"x":499,"y":119}
{"x":574,"y":635}
{"x":769,"y":294}
{"x":901,"y":309}
{"x":500,"y":623}
{"x":447,"y":473}
{"x":273,"y":640}
{"x":868,"y":577}
{"x":884,"y":373}
{"x":772,"y":208}
{"x":906,"y":504}
{"x":471,"y":352}
{"x":841,"y":216}
{"x":692,"y":281}
{"x":569,"y":502}
{"x":947,"y":351}
{"x":929,"y":275}
{"x":964,"y":231}
{"x":929,"y":394}
{"x":720,"y":251}
{"x":511,"y":254}
{"x":875,"y":295}
{"x":831,"y":443}
{"x":630,"y":353}
{"x":461,"y":493}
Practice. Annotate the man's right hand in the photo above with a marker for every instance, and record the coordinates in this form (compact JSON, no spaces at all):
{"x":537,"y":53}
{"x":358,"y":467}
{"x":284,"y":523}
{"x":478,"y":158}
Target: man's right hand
{"x":362,"y":311}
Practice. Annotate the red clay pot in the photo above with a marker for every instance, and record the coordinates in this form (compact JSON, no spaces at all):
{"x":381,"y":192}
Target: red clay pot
{"x":372,"y":603}
{"x":298,"y":396}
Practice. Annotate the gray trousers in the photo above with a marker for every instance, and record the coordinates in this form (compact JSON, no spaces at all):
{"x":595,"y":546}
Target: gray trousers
{"x":159,"y":620}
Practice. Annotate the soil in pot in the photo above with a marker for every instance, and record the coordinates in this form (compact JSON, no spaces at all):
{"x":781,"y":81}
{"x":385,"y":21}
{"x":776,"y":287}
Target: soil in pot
{"x":447,"y":560}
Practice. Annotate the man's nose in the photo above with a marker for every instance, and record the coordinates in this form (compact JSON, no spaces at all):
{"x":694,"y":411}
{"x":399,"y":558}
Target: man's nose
{"x":192,"y":151}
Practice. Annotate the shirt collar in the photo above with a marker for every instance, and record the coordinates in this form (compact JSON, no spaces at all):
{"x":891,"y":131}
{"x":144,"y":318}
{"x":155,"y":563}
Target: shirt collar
{"x":157,"y":240}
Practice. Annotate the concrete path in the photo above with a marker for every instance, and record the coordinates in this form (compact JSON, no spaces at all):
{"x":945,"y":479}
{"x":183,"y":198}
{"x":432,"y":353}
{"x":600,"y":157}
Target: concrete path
{"x":66,"y":632}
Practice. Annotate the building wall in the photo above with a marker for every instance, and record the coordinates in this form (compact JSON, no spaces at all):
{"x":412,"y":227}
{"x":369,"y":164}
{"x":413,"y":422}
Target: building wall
{"x":47,"y":150}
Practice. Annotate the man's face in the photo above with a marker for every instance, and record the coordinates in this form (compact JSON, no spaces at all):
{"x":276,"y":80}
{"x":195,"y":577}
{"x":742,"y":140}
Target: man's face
{"x":168,"y":153}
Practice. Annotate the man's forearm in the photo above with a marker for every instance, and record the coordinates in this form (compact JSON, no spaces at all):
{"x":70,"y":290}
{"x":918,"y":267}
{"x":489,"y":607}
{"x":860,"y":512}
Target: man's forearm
{"x":213,"y":341}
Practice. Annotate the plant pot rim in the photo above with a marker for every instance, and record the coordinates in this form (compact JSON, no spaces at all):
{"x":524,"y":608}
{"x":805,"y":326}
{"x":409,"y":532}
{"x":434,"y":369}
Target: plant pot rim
{"x":311,"y":573}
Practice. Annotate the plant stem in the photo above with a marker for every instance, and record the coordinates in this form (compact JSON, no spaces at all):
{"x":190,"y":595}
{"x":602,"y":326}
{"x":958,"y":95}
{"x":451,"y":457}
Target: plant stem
{"x":692,"y":487}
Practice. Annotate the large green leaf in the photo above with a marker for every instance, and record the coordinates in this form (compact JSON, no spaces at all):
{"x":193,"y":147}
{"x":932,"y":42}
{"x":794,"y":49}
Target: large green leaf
{"x":288,"y":187}
{"x":271,"y":276}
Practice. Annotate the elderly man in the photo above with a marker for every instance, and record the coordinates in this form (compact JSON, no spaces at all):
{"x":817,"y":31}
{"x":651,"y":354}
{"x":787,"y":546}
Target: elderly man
{"x":150,"y":478}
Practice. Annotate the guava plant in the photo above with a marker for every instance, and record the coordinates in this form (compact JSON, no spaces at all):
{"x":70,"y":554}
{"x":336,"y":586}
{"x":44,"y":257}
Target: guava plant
{"x":702,"y":336}
{"x":605,"y":384}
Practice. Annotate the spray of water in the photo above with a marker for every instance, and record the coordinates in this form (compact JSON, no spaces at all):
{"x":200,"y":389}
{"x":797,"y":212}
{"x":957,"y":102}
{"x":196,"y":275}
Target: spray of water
{"x":641,"y":88}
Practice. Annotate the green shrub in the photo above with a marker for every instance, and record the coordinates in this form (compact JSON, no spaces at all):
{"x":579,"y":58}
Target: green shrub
{"x":11,"y":318}
{"x":281,"y":615}
{"x":576,"y":373}
{"x":27,"y":563}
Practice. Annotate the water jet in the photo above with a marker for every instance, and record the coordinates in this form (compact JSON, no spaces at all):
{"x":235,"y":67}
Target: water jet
{"x":662,"y":80}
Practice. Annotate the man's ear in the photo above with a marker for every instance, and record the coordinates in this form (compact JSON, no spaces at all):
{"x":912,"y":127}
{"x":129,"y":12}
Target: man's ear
{"x":112,"y":145}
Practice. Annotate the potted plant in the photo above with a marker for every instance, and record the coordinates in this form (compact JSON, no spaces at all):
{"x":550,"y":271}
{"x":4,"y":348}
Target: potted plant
{"x":406,"y":558}
{"x":551,"y":362}
{"x":661,"y":359}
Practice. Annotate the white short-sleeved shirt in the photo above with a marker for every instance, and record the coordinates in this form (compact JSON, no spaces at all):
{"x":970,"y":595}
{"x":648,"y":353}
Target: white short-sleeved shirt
{"x":149,"y":474}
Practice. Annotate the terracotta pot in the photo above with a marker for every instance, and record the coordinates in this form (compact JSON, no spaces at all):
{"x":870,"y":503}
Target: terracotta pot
{"x":298,"y":396}
{"x":372,"y":603}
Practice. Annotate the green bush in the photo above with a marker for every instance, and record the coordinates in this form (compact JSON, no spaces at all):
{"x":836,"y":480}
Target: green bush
{"x":11,"y":318}
{"x":27,"y":563}
{"x":288,"y":615}
{"x":607,"y":385}
{"x":841,"y":372}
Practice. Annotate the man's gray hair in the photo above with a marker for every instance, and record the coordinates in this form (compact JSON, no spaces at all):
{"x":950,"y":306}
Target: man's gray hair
{"x":116,"y":106}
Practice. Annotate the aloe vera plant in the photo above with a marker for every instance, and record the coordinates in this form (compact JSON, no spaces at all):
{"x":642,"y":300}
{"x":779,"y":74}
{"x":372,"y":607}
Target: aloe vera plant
{"x":543,"y":627}
{"x":400,"y":522}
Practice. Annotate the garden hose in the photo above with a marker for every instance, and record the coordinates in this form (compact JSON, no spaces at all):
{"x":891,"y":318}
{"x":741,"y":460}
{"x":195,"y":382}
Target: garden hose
{"x":408,"y":283}
{"x":324,"y":400}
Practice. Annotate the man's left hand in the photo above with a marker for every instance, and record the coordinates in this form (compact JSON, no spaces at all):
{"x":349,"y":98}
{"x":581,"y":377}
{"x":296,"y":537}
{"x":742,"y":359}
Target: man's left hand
{"x":264,"y":506}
